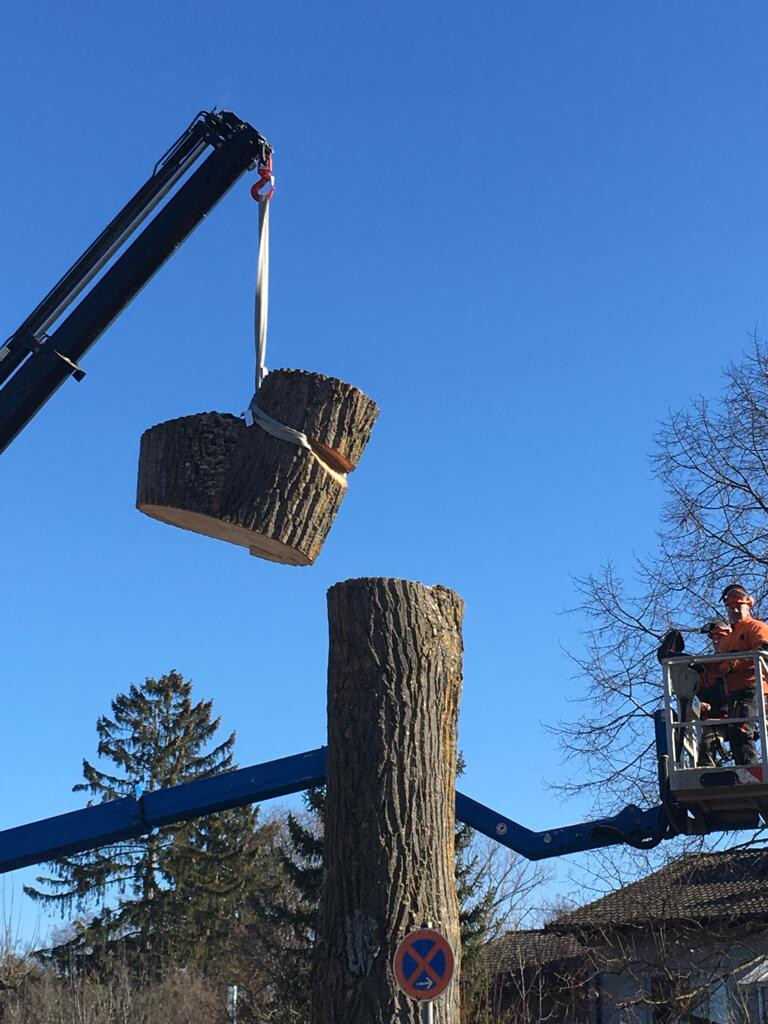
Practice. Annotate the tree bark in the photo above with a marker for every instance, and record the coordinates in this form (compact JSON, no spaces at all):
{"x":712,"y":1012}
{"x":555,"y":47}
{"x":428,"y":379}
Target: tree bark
{"x":211,"y":474}
{"x":394,"y":681}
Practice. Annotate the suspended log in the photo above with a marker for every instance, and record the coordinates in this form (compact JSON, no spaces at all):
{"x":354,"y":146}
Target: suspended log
{"x":394,"y":680}
{"x":212,"y":474}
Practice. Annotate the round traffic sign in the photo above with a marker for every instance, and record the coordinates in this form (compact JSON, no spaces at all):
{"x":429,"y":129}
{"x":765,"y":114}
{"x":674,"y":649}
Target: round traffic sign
{"x":424,"y":964}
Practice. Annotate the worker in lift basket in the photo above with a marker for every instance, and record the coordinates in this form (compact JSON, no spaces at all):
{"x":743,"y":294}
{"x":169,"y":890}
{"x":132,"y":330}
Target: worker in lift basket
{"x":747,"y":634}
{"x":711,"y":693}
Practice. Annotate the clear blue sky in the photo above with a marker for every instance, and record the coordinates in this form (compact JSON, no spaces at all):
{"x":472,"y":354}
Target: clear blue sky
{"x":526,"y":230}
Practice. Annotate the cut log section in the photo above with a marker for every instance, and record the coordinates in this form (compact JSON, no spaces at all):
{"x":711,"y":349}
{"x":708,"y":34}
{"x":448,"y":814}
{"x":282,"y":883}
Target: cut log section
{"x":211,"y":474}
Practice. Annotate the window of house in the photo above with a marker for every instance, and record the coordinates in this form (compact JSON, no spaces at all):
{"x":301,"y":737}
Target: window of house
{"x":668,"y":1003}
{"x":762,"y":1004}
{"x":595,"y":1012}
{"x":661,"y":1007}
{"x":713,"y":1009}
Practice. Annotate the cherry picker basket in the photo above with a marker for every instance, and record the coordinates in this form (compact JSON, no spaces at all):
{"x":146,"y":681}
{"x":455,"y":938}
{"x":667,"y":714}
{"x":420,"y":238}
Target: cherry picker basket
{"x":724,"y":792}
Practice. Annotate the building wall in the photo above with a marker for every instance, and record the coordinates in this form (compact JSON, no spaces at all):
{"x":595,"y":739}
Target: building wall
{"x":664,"y":964}
{"x":625,"y":978}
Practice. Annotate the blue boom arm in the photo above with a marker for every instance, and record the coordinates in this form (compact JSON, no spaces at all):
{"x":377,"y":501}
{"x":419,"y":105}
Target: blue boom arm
{"x":631,"y":825}
{"x":110,"y":822}
{"x":120,"y":819}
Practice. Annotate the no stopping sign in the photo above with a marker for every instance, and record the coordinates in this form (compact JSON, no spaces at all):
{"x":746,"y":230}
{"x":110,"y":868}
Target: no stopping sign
{"x":423,"y":964}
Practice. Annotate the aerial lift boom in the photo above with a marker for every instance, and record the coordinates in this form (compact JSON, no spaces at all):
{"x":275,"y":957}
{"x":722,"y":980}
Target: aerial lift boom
{"x":115,"y":820}
{"x":693,"y":799}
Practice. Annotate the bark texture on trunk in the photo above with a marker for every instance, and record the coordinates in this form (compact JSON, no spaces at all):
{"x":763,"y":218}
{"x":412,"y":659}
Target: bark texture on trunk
{"x":211,"y":474}
{"x":394,"y":681}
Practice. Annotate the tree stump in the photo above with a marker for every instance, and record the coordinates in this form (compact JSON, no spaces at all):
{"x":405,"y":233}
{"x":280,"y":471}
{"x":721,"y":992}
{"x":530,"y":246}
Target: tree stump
{"x":394,"y":680}
{"x":213,"y":475}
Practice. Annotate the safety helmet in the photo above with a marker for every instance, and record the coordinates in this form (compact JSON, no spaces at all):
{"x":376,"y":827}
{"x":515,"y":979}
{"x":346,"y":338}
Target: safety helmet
{"x":733,"y":594}
{"x":716,"y":625}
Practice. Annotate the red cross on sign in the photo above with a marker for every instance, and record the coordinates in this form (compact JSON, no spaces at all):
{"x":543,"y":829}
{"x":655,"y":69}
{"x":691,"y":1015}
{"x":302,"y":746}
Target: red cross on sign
{"x":424,"y":964}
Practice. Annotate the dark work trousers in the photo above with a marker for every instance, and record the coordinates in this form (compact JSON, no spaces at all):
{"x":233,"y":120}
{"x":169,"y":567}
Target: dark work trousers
{"x":709,"y":747}
{"x":742,"y":704}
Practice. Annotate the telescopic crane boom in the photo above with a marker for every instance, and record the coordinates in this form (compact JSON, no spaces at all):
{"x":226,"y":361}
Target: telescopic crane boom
{"x":47,"y":347}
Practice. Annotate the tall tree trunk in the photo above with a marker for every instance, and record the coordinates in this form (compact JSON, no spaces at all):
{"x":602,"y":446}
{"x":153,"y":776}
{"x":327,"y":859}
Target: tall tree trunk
{"x":394,"y":681}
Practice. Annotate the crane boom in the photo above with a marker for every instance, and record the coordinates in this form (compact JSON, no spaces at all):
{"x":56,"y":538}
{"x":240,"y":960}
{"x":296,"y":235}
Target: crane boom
{"x":47,"y":347}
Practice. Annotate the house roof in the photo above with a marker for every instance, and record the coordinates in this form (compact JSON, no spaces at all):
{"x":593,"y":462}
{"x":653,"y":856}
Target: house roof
{"x":533,"y":946}
{"x":714,"y":887}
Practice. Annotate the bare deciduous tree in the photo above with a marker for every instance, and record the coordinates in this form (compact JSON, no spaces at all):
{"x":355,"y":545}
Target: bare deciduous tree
{"x":712,"y":460}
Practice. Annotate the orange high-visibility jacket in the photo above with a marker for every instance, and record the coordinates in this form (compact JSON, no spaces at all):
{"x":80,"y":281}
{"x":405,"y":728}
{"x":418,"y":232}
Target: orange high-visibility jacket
{"x":749,"y":635}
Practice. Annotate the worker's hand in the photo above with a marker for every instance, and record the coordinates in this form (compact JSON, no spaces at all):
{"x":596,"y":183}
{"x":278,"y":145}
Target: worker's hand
{"x":705,"y":706}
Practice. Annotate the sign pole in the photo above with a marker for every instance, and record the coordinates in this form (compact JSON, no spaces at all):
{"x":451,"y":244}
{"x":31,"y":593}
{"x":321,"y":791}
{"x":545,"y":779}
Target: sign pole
{"x":426,"y":1008}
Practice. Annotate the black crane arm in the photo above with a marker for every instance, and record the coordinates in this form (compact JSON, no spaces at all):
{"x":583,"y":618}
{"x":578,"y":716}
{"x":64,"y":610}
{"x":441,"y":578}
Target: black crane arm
{"x":33,"y":362}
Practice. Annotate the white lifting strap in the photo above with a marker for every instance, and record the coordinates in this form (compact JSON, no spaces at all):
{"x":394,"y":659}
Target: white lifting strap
{"x":254,"y":414}
{"x":261,"y":310}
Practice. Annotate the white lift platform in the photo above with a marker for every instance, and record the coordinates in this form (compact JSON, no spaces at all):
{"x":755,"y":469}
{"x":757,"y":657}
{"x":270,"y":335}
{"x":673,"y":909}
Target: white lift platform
{"x":726,"y":794}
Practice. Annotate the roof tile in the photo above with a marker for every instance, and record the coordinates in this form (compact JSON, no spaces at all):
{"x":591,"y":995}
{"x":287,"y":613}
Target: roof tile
{"x":698,"y":887}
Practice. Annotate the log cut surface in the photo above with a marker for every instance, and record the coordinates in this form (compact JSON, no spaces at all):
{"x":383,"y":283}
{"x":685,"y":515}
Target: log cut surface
{"x":394,"y":680}
{"x":213,"y":475}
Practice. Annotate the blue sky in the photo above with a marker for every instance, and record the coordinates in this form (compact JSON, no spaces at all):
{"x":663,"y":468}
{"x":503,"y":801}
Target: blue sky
{"x":527,"y":230}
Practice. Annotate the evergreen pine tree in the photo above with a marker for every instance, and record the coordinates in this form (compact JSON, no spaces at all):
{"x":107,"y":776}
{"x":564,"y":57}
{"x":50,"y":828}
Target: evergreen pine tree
{"x":157,"y":898}
{"x":475,"y":893}
{"x":282,"y":915}
{"x":212,"y":863}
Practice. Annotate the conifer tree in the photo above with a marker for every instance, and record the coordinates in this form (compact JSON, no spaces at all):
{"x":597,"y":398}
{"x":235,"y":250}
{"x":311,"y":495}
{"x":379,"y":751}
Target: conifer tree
{"x":282,"y":914}
{"x":156,"y":898}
